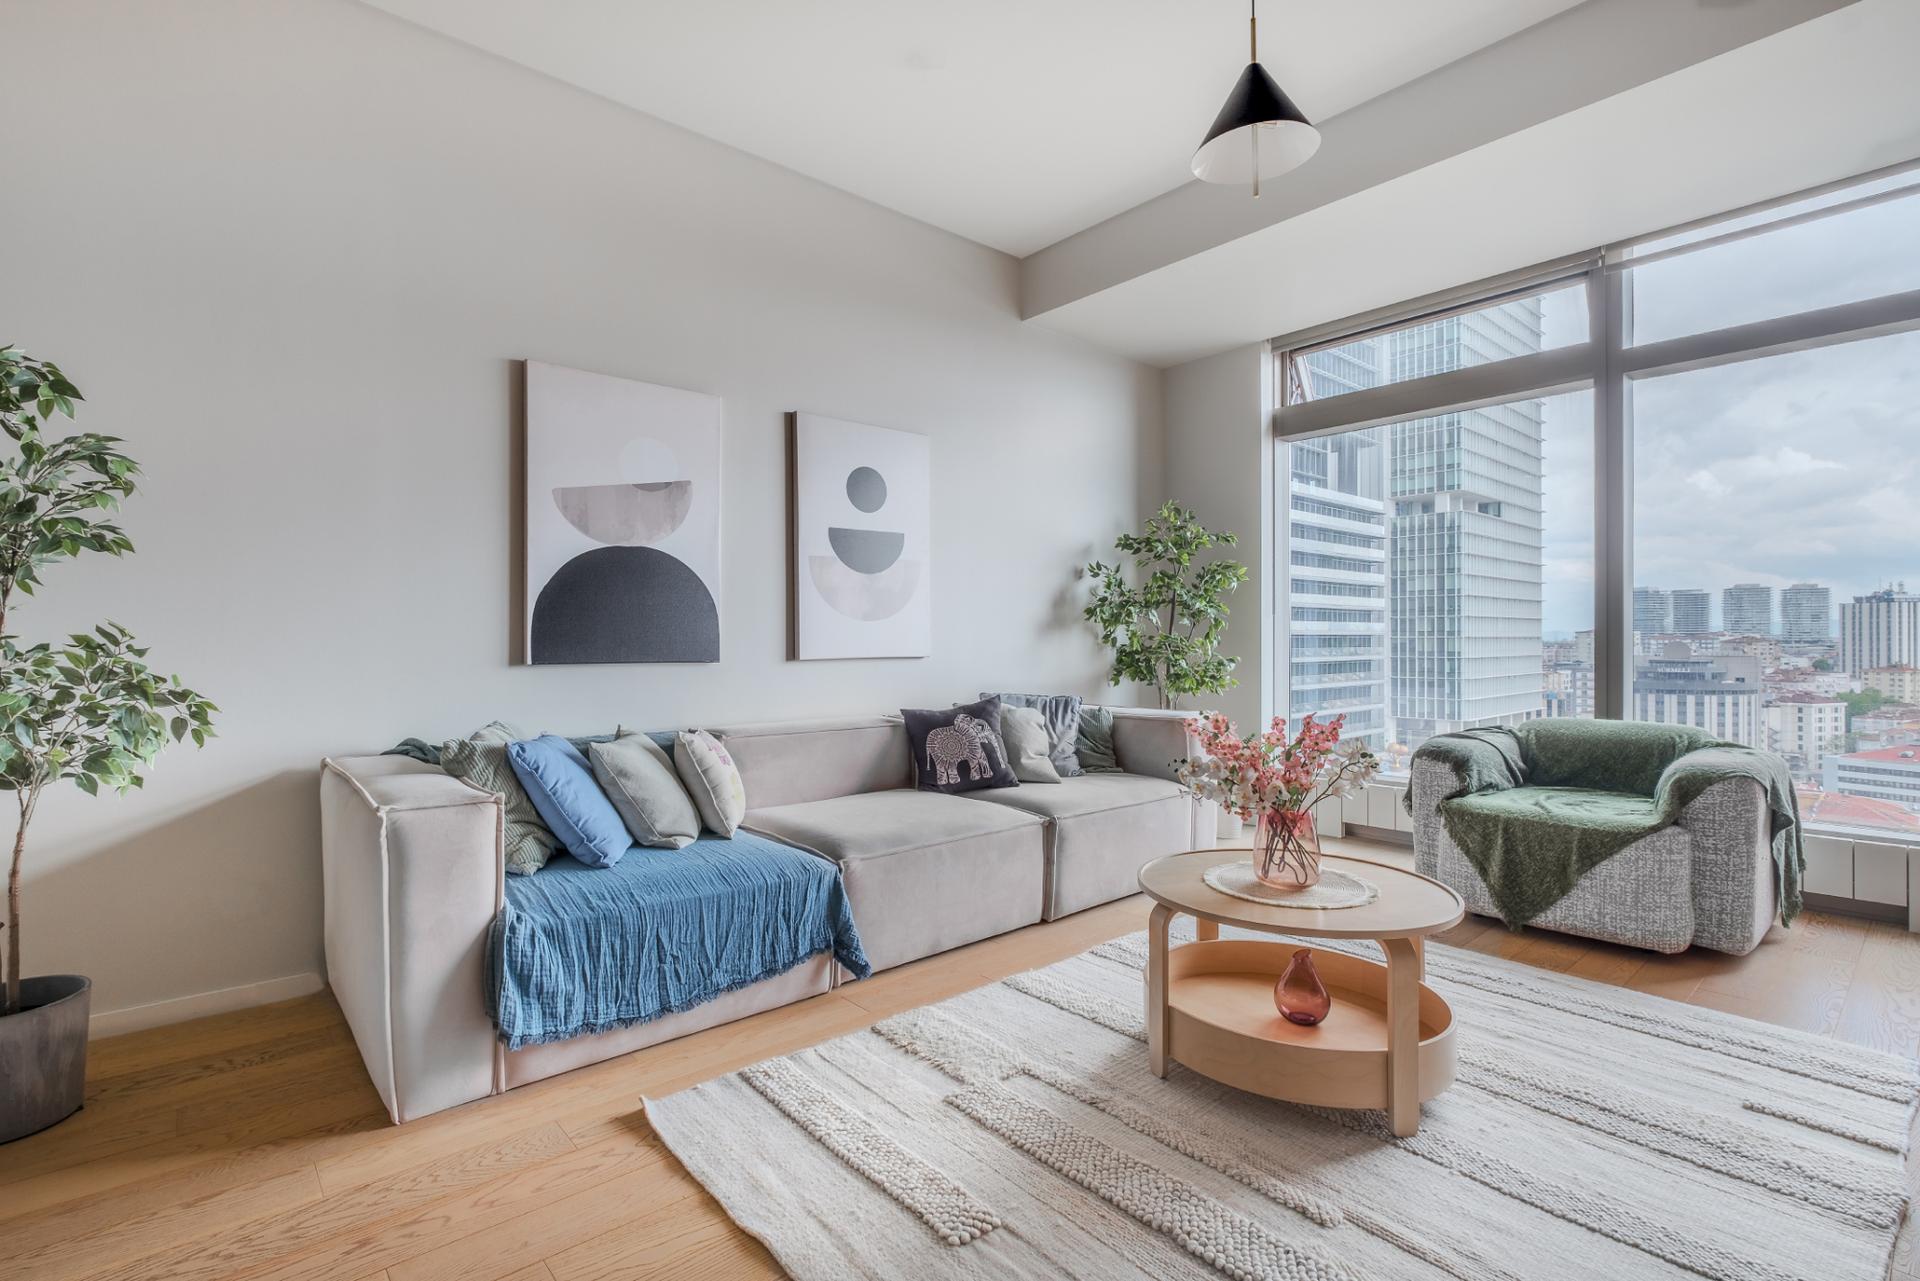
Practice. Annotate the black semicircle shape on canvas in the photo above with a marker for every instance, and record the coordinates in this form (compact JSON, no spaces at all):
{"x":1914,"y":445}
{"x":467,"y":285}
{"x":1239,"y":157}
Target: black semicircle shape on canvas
{"x":625,"y":605}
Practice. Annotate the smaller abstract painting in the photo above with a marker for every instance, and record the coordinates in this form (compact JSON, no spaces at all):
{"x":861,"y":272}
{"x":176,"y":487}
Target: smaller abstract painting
{"x":859,"y":501}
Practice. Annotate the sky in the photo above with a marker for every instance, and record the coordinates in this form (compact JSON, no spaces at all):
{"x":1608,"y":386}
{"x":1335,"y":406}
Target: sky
{"x":1796,"y":468}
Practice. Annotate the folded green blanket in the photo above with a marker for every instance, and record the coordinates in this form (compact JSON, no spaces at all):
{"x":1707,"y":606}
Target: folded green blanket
{"x":1582,"y":791}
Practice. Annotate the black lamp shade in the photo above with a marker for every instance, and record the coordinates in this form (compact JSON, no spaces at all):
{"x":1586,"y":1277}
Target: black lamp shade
{"x":1286,"y":138}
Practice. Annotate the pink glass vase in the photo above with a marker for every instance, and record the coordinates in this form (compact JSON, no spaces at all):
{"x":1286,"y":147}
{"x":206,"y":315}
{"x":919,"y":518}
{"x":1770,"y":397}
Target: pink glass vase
{"x":1300,"y":996}
{"x":1286,"y":849}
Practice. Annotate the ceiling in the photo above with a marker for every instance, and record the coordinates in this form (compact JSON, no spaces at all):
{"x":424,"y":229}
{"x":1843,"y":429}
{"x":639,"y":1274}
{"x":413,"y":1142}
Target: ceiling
{"x":1009,"y":122}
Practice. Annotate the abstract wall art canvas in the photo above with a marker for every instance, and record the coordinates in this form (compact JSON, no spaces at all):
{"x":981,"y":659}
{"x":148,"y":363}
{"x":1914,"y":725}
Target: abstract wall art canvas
{"x":861,"y":540}
{"x":623,"y":520}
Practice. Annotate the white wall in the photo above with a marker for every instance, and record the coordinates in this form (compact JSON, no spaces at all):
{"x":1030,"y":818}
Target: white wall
{"x":291,"y":250}
{"x":1219,"y":463}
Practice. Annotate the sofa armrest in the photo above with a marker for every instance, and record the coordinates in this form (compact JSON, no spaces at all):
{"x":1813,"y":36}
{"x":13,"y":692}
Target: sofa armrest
{"x":413,"y":870}
{"x":1730,"y":840}
{"x":1149,"y":741}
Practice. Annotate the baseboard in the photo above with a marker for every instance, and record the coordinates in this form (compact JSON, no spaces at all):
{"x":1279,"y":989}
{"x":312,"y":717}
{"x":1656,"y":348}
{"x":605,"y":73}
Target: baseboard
{"x":137,"y":1018}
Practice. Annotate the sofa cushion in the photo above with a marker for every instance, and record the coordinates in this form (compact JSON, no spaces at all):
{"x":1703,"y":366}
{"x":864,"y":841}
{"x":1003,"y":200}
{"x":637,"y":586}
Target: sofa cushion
{"x":1094,"y":746}
{"x":637,"y":775}
{"x":1062,"y":713}
{"x":790,"y":762}
{"x":712,"y":780}
{"x":924,"y":872}
{"x":561,"y":785}
{"x":958,"y":749}
{"x":1023,"y":731}
{"x":1608,"y":756}
{"x":1102,"y":829}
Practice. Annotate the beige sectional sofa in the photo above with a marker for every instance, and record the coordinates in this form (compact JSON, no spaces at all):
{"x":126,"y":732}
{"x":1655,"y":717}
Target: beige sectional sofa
{"x":414,"y":874}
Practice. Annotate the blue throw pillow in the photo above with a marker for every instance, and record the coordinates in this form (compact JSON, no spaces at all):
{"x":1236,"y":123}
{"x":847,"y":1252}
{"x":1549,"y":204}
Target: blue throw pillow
{"x":561,"y":785}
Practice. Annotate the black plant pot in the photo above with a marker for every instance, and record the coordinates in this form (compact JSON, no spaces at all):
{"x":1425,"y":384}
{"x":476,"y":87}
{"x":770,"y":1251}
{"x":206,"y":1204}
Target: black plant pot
{"x":43,"y":1054}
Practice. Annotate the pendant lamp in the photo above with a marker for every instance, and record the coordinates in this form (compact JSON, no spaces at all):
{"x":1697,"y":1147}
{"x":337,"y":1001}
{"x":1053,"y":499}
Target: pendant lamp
{"x":1259,"y":133}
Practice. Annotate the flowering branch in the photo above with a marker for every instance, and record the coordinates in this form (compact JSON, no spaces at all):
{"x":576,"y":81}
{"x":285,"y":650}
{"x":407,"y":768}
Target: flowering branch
{"x":1270,"y":772}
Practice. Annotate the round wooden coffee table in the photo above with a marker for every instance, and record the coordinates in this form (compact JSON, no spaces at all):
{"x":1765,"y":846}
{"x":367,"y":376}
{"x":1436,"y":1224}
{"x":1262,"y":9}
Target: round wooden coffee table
{"x":1388,"y":1041}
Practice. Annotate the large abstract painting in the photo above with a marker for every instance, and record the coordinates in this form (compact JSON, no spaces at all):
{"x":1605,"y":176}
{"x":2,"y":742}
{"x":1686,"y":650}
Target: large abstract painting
{"x":861,"y":540}
{"x":623,"y":520}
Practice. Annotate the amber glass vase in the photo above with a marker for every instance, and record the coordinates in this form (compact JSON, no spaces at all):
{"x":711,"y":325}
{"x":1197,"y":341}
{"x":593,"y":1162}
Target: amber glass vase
{"x":1286,"y":849}
{"x":1300,"y":996}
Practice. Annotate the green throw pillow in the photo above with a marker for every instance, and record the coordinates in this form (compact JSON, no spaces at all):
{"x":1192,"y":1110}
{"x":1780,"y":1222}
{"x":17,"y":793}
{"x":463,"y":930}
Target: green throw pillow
{"x":1095,"y":745}
{"x":481,"y":759}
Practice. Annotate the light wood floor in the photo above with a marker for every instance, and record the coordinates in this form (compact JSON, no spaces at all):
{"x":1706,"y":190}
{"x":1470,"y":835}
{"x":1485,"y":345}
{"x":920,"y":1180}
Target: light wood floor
{"x":252,"y":1145}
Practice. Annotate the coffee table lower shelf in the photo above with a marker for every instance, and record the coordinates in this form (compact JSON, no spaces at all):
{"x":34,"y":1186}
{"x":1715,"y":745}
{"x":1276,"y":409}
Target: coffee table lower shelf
{"x":1220,"y":1021}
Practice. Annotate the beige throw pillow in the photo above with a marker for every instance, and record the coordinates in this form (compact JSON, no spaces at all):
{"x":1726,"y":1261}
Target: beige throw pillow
{"x":1024,"y":731}
{"x":637,"y":776}
{"x":712,"y":780}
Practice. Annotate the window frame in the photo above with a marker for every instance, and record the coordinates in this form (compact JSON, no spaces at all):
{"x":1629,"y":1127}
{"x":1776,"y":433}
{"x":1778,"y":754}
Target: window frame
{"x":1607,"y":363}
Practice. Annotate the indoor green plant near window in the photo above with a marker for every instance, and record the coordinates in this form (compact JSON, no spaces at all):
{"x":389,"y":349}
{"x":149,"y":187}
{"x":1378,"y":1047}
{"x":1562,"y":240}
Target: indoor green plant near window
{"x":1166,"y":632}
{"x":89,"y":709}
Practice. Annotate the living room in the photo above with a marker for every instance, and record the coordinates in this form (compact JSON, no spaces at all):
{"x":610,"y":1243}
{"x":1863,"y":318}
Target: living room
{"x":883,"y":640}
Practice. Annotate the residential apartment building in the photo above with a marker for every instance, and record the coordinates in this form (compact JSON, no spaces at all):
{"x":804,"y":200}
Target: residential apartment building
{"x":1900,"y":683}
{"x":1880,"y":629}
{"x":1806,"y":614}
{"x":1718,"y":693}
{"x":1768,"y":650}
{"x":1889,"y":774}
{"x":1692,"y":611}
{"x":1805,"y":728}
{"x":1747,"y":609}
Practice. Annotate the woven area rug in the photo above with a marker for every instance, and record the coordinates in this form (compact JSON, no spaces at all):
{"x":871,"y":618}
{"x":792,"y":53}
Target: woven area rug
{"x":1592,"y":1133}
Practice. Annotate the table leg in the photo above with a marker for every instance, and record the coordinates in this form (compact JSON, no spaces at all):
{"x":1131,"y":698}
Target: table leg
{"x":1205,"y":931}
{"x":1419,"y":957}
{"x":1157,"y":988}
{"x":1403,"y":1034}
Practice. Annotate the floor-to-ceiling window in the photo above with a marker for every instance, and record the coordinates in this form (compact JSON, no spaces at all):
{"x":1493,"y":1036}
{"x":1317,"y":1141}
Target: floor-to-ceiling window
{"x":1672,"y":479}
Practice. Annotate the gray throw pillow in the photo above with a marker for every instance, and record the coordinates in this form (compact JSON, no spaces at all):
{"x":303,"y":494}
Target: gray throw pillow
{"x":481,"y":759}
{"x":1062,"y":713}
{"x":638,"y":777}
{"x":1096,"y":741}
{"x":1024,"y":732}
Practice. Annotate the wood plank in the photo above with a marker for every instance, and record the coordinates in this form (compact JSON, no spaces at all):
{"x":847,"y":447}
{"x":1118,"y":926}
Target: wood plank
{"x":217,"y":1034}
{"x":68,"y":1256}
{"x":550,"y":1187}
{"x":494,"y":1250}
{"x":1882,"y":1006}
{"x":687,"y":1237}
{"x":247,"y":1248}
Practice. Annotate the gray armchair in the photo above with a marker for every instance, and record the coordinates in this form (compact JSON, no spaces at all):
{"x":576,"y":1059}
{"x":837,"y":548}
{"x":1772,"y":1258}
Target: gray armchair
{"x":1707,"y":879}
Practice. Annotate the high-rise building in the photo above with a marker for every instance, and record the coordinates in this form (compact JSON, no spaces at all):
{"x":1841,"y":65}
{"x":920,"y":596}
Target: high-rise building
{"x":1720,"y":694}
{"x":1652,"y":611}
{"x":1692,"y":611}
{"x":1746,"y":609}
{"x":1881,"y":629}
{"x":1467,"y":536}
{"x":1806,"y":614}
{"x":1334,"y":628}
{"x":1334,"y":634}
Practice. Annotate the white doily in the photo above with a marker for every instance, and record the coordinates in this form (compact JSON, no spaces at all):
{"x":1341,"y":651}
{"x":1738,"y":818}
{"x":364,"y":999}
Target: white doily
{"x":1334,"y":889}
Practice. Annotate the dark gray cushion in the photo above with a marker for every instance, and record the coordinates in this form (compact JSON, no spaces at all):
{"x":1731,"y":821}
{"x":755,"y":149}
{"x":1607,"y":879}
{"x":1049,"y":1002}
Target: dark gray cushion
{"x":1095,"y":747}
{"x":959,"y":749}
{"x":1062,"y":712}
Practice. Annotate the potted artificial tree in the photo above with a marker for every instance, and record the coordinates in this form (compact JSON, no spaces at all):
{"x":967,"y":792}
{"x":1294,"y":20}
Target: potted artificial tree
{"x":1166,"y":632}
{"x":88,"y":710}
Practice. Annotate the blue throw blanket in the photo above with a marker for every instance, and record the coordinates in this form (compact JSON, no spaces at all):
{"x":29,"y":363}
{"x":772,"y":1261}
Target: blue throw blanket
{"x":578,"y":950}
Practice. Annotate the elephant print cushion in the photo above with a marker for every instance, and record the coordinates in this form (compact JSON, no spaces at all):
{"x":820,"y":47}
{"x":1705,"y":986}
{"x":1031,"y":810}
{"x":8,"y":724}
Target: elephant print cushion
{"x":959,"y":749}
